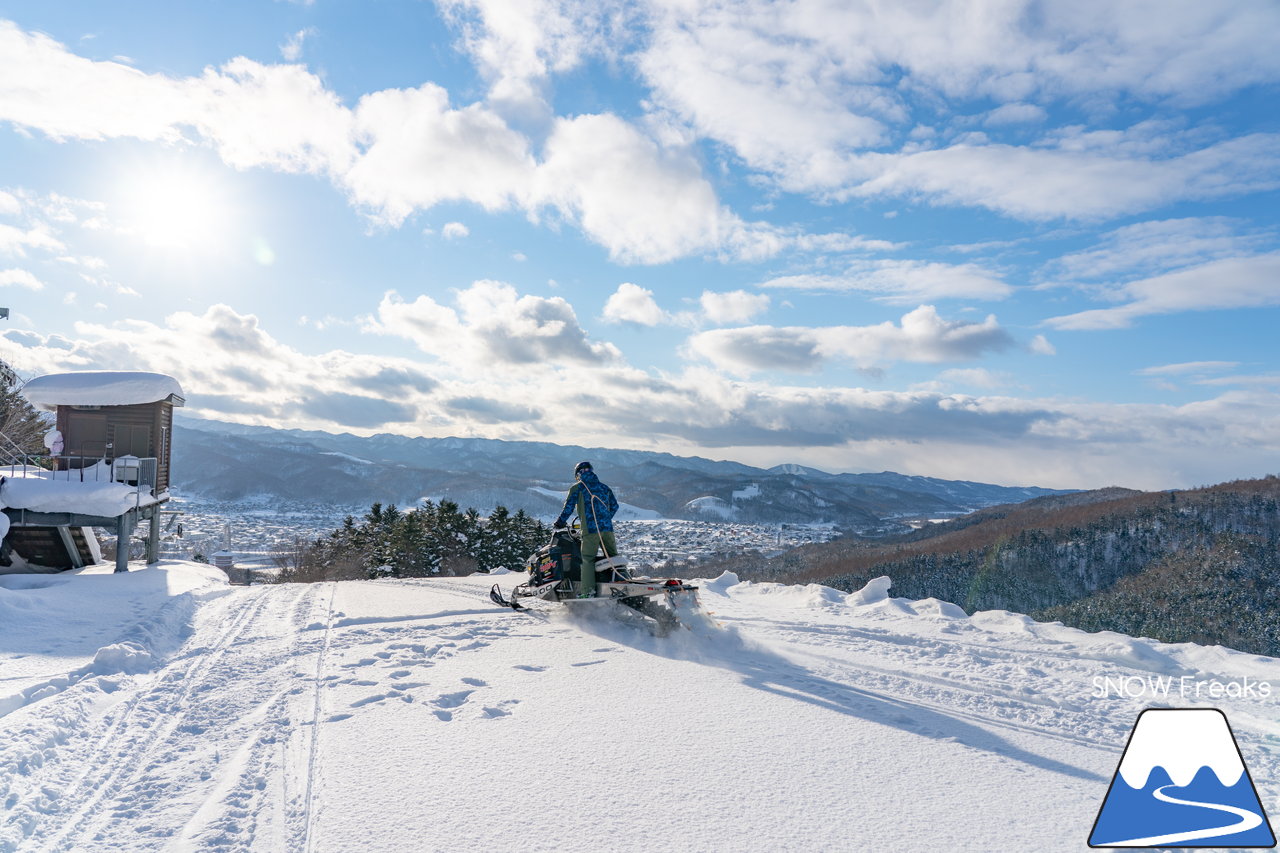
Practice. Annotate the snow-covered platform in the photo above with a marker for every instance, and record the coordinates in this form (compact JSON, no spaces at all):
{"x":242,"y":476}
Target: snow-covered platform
{"x":107,"y":466}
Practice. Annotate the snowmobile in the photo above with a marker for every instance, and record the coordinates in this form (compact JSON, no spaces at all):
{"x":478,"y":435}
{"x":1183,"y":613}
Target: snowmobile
{"x":554,"y":570}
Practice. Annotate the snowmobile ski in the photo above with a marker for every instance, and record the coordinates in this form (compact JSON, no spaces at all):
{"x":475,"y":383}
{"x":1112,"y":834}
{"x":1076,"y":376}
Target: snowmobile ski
{"x":495,"y":593}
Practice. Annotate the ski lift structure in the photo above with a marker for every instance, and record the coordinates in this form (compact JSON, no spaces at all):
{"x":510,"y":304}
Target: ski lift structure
{"x":116,"y":431}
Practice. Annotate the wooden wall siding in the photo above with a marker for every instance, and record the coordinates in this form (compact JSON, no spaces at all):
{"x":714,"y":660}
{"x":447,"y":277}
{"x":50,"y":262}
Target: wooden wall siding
{"x":141,"y":430}
{"x":164,"y":442}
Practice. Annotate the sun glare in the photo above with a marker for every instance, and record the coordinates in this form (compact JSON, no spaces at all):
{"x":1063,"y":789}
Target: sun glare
{"x":175,"y":208}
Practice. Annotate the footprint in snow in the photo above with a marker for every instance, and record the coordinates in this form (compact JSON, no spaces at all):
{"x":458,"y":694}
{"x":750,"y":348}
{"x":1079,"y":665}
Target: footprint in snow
{"x":446,"y":703}
{"x":475,"y":682}
{"x":587,"y":663}
{"x":452,"y":700}
{"x":337,"y":718}
{"x":530,"y":668}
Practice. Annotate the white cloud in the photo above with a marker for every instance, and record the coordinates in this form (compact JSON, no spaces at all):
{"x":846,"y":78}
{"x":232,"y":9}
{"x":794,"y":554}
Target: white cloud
{"x":232,"y":368}
{"x":975,"y":377}
{"x":89,"y":262}
{"x":398,"y":151}
{"x":280,"y":116}
{"x":631,"y":303}
{"x":1049,"y":183}
{"x":291,"y":50}
{"x":454,"y":231}
{"x":15,"y":241}
{"x":1228,"y":283}
{"x":65,"y":96}
{"x":1188,"y":367}
{"x":1040,"y":346}
{"x":517,"y":44}
{"x":20,"y":278}
{"x":9,"y":204}
{"x":418,"y":152}
{"x":492,"y":325}
{"x":1153,"y":247}
{"x":746,"y":76}
{"x":641,"y":202}
{"x":735,"y":306}
{"x":1016,"y":113}
{"x":905,"y":281}
{"x":798,"y":90}
{"x":921,"y":336}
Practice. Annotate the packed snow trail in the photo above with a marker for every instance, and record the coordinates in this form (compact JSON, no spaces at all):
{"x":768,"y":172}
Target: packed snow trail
{"x":413,"y":715}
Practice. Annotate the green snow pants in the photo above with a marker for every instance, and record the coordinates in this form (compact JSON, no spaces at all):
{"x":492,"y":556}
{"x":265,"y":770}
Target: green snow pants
{"x":591,"y":542}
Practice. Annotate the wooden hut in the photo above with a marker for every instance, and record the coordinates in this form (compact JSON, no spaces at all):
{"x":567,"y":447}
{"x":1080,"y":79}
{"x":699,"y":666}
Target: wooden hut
{"x":114,"y":425}
{"x":107,"y":414}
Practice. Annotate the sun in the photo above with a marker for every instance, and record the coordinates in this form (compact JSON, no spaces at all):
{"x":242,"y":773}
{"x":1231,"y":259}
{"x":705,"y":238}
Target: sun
{"x":175,"y":207}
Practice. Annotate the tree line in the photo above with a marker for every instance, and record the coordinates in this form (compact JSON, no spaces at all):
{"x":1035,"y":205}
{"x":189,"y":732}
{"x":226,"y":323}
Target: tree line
{"x":430,"y":540}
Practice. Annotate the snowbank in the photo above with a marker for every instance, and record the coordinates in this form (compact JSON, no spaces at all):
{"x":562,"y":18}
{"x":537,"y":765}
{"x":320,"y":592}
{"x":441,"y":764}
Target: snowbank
{"x":99,"y":388}
{"x":92,"y":622}
{"x":873,"y":603}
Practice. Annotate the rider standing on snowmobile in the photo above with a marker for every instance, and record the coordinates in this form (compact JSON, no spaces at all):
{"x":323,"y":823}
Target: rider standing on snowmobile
{"x":596,"y":505}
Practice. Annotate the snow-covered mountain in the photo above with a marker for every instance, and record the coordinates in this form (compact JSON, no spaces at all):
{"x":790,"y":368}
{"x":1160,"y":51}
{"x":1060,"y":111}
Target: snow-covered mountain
{"x":164,"y":710}
{"x":229,"y":461}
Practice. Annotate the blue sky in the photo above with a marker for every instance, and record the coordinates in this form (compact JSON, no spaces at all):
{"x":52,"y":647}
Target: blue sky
{"x":1015,"y":242}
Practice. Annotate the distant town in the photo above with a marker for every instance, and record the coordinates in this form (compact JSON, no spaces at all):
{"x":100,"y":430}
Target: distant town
{"x":256,"y":533}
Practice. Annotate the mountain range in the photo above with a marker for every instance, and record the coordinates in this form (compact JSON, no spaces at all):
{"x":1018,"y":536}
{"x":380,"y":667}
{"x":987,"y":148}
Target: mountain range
{"x":236,"y":462}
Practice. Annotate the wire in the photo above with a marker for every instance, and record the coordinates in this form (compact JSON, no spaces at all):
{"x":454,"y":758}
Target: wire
{"x":594,"y":517}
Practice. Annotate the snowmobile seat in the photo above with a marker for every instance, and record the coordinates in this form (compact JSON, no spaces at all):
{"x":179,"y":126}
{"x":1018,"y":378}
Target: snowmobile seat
{"x":611,"y":568}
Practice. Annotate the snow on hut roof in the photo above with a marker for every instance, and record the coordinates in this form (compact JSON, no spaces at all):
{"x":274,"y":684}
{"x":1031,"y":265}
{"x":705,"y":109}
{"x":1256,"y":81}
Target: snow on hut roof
{"x":101,"y":388}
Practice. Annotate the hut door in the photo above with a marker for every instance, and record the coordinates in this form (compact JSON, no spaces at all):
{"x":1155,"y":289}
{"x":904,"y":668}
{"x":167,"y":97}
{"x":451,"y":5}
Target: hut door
{"x":131,"y":440}
{"x":86,"y":435}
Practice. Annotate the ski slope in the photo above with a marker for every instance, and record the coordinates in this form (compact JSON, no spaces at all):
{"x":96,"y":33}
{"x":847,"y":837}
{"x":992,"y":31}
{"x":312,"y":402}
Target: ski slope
{"x":165,"y":710}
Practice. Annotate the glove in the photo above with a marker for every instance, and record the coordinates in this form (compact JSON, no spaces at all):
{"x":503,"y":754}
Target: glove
{"x":559,"y":524}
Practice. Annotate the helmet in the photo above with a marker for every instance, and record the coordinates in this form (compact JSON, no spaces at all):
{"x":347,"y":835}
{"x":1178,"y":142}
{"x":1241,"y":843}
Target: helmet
{"x":581,"y":466}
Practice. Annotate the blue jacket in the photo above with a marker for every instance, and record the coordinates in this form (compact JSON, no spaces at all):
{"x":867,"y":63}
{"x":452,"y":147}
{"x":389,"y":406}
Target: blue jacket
{"x":599,"y":504}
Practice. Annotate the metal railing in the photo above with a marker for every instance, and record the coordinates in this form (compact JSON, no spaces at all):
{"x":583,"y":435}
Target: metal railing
{"x":11,"y":453}
{"x":142,"y":473}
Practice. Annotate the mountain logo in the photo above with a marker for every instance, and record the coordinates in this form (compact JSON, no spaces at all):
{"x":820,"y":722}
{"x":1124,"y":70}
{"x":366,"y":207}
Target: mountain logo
{"x":1182,"y":782}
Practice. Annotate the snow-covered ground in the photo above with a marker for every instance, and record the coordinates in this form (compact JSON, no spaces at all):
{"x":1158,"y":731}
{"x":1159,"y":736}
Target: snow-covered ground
{"x":164,"y":710}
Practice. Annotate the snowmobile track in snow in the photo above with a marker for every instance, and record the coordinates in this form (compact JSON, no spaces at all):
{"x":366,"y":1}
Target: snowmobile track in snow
{"x":307,"y":809}
{"x":129,"y":766}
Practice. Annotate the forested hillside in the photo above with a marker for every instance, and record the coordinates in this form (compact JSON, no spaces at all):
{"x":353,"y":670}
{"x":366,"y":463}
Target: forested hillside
{"x":1181,"y":565}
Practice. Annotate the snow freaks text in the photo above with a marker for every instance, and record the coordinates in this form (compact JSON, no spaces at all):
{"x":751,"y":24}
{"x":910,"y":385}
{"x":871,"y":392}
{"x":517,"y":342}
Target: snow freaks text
{"x":1185,"y":687}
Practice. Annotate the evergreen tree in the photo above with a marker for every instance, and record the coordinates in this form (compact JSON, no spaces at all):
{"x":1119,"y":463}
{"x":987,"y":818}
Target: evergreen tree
{"x":20,"y":422}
